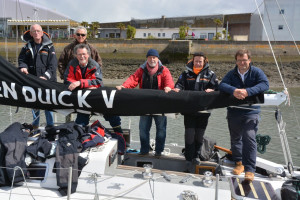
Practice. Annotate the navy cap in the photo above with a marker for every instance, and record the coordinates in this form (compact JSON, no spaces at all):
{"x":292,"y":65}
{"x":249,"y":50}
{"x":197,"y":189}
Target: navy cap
{"x":152,"y":52}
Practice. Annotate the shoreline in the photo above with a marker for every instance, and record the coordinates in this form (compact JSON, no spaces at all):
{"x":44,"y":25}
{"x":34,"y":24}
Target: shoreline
{"x":115,"y":72}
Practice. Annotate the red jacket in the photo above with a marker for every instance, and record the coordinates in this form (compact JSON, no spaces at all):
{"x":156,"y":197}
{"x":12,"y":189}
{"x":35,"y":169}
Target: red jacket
{"x":91,"y":78}
{"x":163,"y":76}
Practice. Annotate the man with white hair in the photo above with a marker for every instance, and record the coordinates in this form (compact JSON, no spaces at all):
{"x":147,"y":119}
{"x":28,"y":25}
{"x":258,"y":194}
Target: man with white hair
{"x":38,"y":58}
{"x":67,"y":54}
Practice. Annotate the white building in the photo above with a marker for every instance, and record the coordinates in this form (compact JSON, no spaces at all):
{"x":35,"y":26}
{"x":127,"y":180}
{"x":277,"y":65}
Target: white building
{"x":274,"y":21}
{"x":18,"y":15}
{"x":173,"y":33}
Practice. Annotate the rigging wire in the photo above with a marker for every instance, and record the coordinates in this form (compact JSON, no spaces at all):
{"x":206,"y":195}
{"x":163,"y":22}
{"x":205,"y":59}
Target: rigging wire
{"x":264,"y":27}
{"x":5,"y":29}
{"x":279,"y":56}
{"x":271,"y":27}
{"x":20,"y":10}
{"x":258,"y":6}
{"x":283,"y":16}
{"x":288,"y":27}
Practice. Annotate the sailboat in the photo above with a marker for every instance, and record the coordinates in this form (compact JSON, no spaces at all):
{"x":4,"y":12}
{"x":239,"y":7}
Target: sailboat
{"x":109,"y":175}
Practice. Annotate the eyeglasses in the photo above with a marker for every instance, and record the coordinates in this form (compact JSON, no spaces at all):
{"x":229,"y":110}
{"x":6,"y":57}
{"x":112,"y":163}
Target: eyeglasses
{"x":78,"y":34}
{"x":36,"y":31}
{"x":239,"y":61}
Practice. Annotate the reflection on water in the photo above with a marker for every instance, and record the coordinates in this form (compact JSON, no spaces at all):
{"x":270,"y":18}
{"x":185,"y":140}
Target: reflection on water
{"x":217,"y":127}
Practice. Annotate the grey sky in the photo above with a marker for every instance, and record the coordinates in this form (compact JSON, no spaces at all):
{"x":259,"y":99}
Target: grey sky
{"x":123,"y":10}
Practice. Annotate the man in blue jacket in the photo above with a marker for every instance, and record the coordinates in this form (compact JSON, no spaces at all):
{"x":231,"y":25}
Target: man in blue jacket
{"x":242,"y":81}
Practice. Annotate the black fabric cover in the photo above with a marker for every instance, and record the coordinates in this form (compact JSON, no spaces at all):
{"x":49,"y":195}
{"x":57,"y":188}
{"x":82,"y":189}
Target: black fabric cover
{"x":18,"y":89}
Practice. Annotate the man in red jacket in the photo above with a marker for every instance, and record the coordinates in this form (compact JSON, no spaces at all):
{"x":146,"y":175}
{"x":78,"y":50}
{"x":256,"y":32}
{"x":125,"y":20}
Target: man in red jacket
{"x":151,"y":75}
{"x":84,"y":72}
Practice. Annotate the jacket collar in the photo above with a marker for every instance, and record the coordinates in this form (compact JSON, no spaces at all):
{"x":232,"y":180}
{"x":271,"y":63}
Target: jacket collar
{"x":76,"y":42}
{"x":190,"y":66}
{"x":26,"y":37}
{"x":236,"y":69}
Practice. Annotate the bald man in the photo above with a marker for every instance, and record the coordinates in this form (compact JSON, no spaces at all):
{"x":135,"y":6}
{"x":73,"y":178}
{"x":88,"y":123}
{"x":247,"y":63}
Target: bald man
{"x":38,"y":58}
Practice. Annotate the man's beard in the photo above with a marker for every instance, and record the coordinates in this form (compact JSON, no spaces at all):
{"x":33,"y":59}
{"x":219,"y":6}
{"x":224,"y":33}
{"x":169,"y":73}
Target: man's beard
{"x":152,"y":64}
{"x":82,"y":62}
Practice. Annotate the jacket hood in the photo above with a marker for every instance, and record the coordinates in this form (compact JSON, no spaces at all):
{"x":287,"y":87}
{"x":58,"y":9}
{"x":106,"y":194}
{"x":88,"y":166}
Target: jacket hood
{"x":26,"y":37}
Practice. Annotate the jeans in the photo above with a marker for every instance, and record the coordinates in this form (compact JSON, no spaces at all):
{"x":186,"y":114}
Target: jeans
{"x":243,"y":129}
{"x":36,"y":117}
{"x":114,"y":121}
{"x":145,"y":126}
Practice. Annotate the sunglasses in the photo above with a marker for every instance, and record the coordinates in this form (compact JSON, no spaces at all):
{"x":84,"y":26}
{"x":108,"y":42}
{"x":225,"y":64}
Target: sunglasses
{"x":78,"y":34}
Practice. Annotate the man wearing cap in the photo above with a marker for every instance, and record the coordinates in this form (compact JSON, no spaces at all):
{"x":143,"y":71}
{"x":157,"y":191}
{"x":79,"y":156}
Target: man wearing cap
{"x":151,"y":75}
{"x":196,"y":77}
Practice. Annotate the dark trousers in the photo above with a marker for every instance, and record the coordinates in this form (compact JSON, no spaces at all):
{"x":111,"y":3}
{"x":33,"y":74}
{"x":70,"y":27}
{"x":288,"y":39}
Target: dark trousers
{"x":243,"y":129}
{"x":195,"y":126}
{"x":114,"y":121}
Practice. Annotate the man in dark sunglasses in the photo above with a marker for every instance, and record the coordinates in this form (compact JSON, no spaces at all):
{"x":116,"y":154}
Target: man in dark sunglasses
{"x":67,"y":54}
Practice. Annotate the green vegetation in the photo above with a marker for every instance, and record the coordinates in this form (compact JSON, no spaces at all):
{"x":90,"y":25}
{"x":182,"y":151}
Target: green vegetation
{"x":218,"y":22}
{"x":182,"y":32}
{"x":94,"y":28}
{"x":122,"y":27}
{"x":228,"y":35}
{"x":130,"y":32}
{"x":151,"y":37}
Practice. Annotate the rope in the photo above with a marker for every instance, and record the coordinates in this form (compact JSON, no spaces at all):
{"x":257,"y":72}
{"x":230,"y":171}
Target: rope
{"x":152,"y":191}
{"x":12,"y":183}
{"x":95,"y":178}
{"x":262,"y":142}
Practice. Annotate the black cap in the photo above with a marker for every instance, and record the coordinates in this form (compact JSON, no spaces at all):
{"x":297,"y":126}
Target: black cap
{"x":199,"y":54}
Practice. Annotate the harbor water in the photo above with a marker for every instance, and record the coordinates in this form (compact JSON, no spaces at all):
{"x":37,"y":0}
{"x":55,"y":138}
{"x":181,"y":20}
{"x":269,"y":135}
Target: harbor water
{"x":217,"y":126}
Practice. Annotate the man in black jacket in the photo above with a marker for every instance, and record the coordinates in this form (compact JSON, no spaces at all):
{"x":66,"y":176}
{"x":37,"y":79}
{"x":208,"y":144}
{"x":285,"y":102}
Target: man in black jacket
{"x":38,"y":58}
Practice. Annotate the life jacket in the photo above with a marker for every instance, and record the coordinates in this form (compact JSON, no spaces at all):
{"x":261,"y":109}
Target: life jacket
{"x":95,"y":136}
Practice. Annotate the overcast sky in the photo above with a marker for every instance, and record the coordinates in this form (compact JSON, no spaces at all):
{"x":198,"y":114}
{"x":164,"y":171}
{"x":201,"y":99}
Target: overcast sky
{"x":124,"y":10}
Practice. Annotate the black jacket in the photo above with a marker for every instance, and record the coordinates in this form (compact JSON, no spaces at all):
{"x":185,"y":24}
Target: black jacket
{"x":188,"y":80}
{"x":44,"y":63}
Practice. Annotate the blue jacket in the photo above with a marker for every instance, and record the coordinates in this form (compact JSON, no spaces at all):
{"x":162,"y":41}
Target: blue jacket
{"x":255,"y":82}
